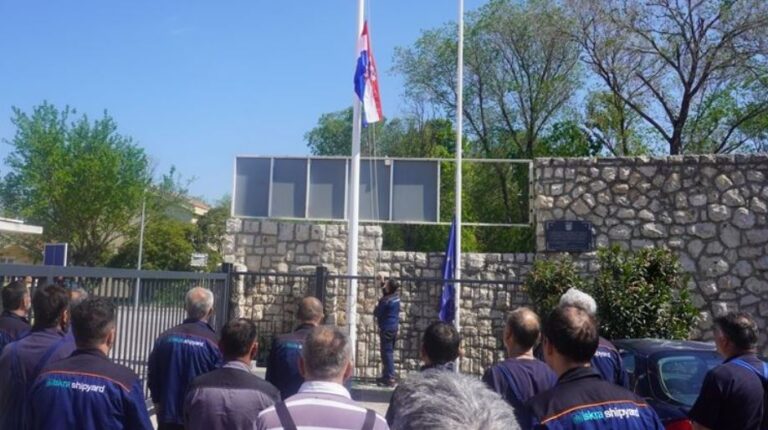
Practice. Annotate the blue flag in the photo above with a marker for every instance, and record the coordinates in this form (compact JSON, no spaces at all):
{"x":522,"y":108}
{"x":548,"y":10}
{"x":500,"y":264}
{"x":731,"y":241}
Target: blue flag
{"x":448,"y":299}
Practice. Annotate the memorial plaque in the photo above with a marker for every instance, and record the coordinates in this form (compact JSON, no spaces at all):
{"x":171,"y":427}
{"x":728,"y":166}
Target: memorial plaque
{"x":569,"y":236}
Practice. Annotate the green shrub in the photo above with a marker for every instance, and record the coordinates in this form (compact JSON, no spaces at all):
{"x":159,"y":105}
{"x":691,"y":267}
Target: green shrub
{"x":548,"y":280}
{"x":638,"y":294}
{"x":642,"y":294}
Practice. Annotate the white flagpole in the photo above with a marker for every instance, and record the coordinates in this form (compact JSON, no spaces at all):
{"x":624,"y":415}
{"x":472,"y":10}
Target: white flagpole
{"x":459,"y":124}
{"x":354,"y":202}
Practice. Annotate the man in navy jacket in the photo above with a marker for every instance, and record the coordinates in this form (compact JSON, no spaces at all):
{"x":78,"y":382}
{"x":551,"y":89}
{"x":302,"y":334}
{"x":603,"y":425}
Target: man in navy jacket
{"x":387,"y":314}
{"x":87,"y":391}
{"x":23,"y":360}
{"x":283,"y":363}
{"x":180,"y":355}
{"x":13,"y":320}
{"x":582,"y":399}
{"x":607,"y":360}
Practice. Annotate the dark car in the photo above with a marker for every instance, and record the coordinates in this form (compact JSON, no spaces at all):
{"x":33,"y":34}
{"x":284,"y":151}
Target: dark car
{"x":669,"y":374}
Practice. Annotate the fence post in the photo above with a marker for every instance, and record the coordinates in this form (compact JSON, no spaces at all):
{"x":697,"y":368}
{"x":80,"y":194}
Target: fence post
{"x":321,"y":280}
{"x":229,"y":269}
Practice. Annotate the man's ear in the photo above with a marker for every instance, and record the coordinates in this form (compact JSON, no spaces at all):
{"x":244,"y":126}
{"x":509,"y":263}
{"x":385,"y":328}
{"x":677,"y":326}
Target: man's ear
{"x":111,"y":337}
{"x":349,"y":370}
{"x":254,"y":349}
{"x":302,"y":369}
{"x":549,"y":349}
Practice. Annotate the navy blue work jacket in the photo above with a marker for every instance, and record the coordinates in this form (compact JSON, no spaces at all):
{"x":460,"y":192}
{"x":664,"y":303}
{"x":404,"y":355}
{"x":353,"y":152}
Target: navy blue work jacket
{"x":20,"y":363}
{"x":583,"y":400}
{"x":180,"y":355}
{"x":87,"y":391}
{"x":607,"y":361}
{"x":12,"y":327}
{"x":387,"y":312}
{"x":283,"y":362}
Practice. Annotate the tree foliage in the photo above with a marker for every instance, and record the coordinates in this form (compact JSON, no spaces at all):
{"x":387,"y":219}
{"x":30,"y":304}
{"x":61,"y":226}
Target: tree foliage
{"x":638,"y":294}
{"x":694,"y":71}
{"x":643,"y":294}
{"x":168,"y":245}
{"x":80,"y":179}
{"x":210,"y":231}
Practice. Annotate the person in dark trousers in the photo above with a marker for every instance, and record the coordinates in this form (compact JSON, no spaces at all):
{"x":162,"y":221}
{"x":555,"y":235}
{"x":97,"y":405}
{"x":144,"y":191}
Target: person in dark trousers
{"x":13,"y":320}
{"x":521,"y":376}
{"x":283,"y":362}
{"x":387,"y":314}
{"x":87,"y":391}
{"x":733,"y":394}
{"x":582,"y":399}
{"x":230,"y":398}
{"x":440,"y":347}
{"x":23,"y":360}
{"x":179,"y":356}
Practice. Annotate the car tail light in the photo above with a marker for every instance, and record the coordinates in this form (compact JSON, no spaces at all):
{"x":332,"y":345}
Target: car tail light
{"x":678,"y":425}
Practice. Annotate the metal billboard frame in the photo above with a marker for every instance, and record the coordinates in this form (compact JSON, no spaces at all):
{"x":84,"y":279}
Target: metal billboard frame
{"x":308,"y":159}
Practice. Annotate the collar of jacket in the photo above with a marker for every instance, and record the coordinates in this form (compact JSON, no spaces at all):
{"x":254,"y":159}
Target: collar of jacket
{"x":578,"y":373}
{"x":193,"y":320}
{"x":449,"y":366}
{"x":13,"y":315}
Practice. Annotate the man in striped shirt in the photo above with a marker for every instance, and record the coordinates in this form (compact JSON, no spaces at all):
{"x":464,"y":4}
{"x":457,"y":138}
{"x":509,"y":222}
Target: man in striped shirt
{"x":322,"y":401}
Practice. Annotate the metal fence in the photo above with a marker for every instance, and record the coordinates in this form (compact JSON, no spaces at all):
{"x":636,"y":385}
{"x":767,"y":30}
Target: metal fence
{"x":148,"y":302}
{"x":271,"y":299}
{"x":484,"y":304}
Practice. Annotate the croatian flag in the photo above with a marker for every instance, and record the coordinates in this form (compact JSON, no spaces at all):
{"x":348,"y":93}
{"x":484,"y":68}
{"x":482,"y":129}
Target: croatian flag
{"x":366,"y":79}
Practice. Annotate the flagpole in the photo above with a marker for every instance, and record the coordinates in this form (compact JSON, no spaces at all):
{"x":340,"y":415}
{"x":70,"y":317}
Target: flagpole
{"x":354,"y":202}
{"x":459,"y":125}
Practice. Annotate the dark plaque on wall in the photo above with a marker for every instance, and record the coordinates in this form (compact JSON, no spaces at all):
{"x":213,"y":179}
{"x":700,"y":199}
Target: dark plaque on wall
{"x":569,"y":236}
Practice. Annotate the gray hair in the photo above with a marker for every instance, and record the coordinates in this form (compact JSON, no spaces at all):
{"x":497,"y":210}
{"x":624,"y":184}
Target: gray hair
{"x":77,"y":295}
{"x":199,"y":302}
{"x":580,"y":299}
{"x":442,"y":400}
{"x":326,"y":353}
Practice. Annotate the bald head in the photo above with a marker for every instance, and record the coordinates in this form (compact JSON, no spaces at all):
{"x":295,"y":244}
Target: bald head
{"x":199,"y":303}
{"x":310,"y":311}
{"x":523,"y":329}
{"x":573,"y":333}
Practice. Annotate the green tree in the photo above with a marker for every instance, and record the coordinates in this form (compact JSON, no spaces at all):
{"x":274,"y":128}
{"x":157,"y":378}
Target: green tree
{"x":614,"y":125}
{"x":638,"y":294}
{"x":210,"y":231}
{"x":676,"y":64}
{"x":81,"y":180}
{"x":642,"y":294}
{"x":521,"y":72}
{"x":168,"y":245}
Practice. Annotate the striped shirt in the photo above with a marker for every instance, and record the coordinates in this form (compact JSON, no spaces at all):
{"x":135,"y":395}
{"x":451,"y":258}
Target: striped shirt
{"x":321,"y":406}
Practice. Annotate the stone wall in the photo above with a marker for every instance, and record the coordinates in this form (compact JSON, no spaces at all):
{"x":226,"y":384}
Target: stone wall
{"x":711,"y":210}
{"x":274,"y":248}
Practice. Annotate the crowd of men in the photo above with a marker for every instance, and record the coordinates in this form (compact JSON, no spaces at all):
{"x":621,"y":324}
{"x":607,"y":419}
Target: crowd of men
{"x":558,"y":374}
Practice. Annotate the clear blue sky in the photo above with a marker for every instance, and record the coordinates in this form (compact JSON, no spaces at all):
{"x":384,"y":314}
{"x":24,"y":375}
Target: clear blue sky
{"x":198,"y":82}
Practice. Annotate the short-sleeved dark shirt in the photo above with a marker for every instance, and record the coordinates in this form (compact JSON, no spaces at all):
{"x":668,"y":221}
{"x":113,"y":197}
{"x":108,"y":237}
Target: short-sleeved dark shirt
{"x":517,"y":380}
{"x":731,"y":396}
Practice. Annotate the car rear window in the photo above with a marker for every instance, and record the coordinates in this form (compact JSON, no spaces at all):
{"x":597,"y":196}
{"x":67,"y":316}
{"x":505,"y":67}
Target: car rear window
{"x":682,"y":375}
